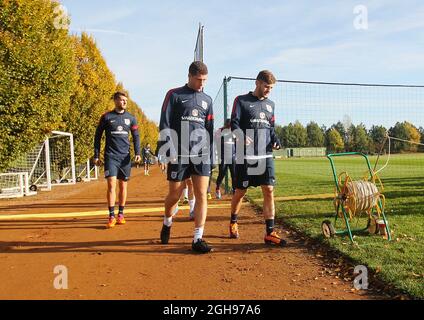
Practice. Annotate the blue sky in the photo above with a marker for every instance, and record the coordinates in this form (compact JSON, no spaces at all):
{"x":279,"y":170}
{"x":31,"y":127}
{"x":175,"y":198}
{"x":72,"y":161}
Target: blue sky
{"x":149,"y":44}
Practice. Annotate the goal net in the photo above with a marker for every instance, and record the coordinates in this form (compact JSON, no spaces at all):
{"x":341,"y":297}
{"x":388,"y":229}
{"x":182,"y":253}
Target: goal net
{"x":50,"y":163}
{"x":86,"y":172}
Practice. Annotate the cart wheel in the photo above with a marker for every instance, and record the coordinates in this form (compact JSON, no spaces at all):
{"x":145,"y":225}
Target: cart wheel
{"x":33,"y":188}
{"x":54,"y":182}
{"x":64,"y":181}
{"x":327,"y":229}
{"x":79,"y":179}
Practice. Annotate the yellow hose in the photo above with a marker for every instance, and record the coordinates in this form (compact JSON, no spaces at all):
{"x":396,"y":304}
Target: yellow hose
{"x":359,"y":197}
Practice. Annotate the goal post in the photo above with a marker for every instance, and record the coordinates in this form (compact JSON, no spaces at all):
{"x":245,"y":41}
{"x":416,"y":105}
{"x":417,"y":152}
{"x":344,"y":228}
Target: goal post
{"x":15,"y":185}
{"x":86,"y":172}
{"x":52,"y":162}
{"x":61,"y":158}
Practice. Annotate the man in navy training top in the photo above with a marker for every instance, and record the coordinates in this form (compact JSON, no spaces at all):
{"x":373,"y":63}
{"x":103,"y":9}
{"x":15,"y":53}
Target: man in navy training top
{"x":117,"y":159}
{"x":187,"y":112}
{"x":253,"y":119}
{"x":227,"y":156}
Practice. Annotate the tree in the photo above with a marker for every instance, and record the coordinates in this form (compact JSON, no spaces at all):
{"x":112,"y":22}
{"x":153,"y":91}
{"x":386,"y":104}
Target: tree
{"x":294,"y":135}
{"x":349,"y":139}
{"x":91,"y":97}
{"x":340,"y":127}
{"x":315,"y":135}
{"x":279,"y":130}
{"x":335,"y":141}
{"x":408,"y":132}
{"x":377,"y":136}
{"x":324,"y":131}
{"x":149,"y":132}
{"x":37,"y":75}
{"x":414,"y":136}
{"x":360,"y":139}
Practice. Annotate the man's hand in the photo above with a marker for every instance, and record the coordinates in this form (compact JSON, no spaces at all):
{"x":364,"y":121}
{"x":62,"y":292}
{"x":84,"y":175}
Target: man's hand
{"x":163,"y":166}
{"x":98,"y":162}
{"x":137,"y":159}
{"x":276,"y":146}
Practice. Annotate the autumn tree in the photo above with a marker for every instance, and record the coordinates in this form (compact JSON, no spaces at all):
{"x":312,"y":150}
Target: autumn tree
{"x":334,"y":141}
{"x":316,"y":137}
{"x":92,"y":95}
{"x":37,"y":74}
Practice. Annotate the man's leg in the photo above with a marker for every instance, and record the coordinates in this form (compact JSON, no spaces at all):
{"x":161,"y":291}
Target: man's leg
{"x":241,"y":183}
{"x":123,"y":191}
{"x":269,"y":205}
{"x":174,"y":191}
{"x":200,"y":187}
{"x":236,"y":204}
{"x":171,"y":202}
{"x":208,"y":194}
{"x":221,"y":175}
{"x":184,"y":192}
{"x":233,"y":175}
{"x":111,"y":199}
{"x":111,"y":191}
{"x":191,"y":197}
{"x":269,"y":214}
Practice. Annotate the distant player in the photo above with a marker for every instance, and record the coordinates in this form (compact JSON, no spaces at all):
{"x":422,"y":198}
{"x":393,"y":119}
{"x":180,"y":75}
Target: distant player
{"x":147,"y":154}
{"x":118,"y":125}
{"x":254,"y":113}
{"x":226,"y":139}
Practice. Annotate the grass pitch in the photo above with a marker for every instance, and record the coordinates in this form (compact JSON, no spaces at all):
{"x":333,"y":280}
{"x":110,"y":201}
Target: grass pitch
{"x":400,"y":262}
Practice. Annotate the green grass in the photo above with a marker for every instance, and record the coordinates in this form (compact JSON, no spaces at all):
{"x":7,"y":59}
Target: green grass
{"x":401,"y":261}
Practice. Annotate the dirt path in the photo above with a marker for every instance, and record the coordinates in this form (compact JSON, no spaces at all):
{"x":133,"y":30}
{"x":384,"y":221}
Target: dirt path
{"x":129,"y":263}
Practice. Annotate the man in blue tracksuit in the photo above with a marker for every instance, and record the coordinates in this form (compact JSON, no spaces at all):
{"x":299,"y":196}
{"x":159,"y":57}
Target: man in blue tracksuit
{"x":187,"y":140}
{"x":146,"y":154}
{"x":118,"y":125}
{"x":253,"y":120}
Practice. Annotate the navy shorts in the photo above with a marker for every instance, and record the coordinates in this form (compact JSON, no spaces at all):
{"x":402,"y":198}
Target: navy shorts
{"x":180,"y":172}
{"x":264,"y":175}
{"x":120,"y":168}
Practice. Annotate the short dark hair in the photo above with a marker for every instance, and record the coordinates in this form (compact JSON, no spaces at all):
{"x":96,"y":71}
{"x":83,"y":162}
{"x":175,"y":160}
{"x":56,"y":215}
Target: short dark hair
{"x":198,"y":67}
{"x":267,"y":77}
{"x":118,"y":94}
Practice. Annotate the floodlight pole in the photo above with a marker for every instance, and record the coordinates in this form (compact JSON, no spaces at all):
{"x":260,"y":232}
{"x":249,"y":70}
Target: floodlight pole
{"x":226,"y":80}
